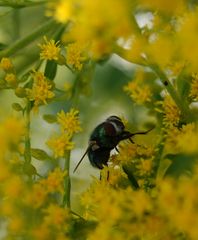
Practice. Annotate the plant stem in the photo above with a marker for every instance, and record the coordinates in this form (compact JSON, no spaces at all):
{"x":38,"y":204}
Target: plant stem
{"x":27,"y":154}
{"x":66,"y":197}
{"x":21,"y":5}
{"x":185,"y":111}
{"x":23,"y":42}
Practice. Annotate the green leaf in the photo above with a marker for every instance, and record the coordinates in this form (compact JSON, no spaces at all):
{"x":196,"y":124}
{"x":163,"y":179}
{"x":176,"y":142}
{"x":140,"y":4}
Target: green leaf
{"x":183,"y":85}
{"x":40,"y":154}
{"x":81,"y":228}
{"x":29,"y":169}
{"x":49,"y":118}
{"x":50,"y":70}
{"x":2,"y":46}
{"x":182,"y":164}
{"x":131,"y":177}
{"x":17,"y":107}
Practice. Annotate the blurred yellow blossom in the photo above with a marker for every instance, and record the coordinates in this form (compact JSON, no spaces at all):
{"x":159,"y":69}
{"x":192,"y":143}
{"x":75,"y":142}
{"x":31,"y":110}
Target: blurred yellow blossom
{"x":61,"y":10}
{"x":56,"y":217}
{"x":37,"y":196}
{"x":16,"y":224}
{"x":145,"y":166}
{"x":6,"y":64}
{"x":171,"y":112}
{"x":13,"y":129}
{"x":187,"y":140}
{"x":162,"y":46}
{"x":194,"y":87}
{"x":60,"y":144}
{"x":49,"y":50}
{"x":69,"y":122}
{"x":41,"y":232}
{"x":138,"y":89}
{"x":186,"y":39}
{"x":105,"y":28}
{"x":11,"y":79}
{"x":14,"y":187}
{"x":74,"y":56}
{"x":54,"y":181}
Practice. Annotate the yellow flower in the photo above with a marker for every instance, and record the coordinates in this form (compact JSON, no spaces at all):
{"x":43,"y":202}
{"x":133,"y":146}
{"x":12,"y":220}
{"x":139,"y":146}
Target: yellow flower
{"x":75,"y":56}
{"x":187,"y":140}
{"x":162,"y":46}
{"x":56,"y":217}
{"x":6,"y":64}
{"x":145,"y":166}
{"x":16,"y":224}
{"x":49,"y":50}
{"x":11,"y":79}
{"x":141,"y":203}
{"x":13,"y":187}
{"x":62,"y":10}
{"x":127,"y":152}
{"x":172,"y":134}
{"x":13,"y":129}
{"x":4,"y":172}
{"x":186,"y":39}
{"x":60,"y":144}
{"x":171,"y":112}
{"x":69,"y":121}
{"x":41,"y":90}
{"x":54,"y":181}
{"x":41,"y":232}
{"x":194,"y":87}
{"x":139,"y":91}
{"x":37,"y":196}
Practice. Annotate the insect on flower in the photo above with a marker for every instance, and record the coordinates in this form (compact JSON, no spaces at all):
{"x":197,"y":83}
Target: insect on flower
{"x":104,"y":138}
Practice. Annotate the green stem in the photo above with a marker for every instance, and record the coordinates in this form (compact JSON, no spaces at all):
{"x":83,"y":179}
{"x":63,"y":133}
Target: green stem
{"x":66,"y":197}
{"x":27,"y":154}
{"x":23,"y":42}
{"x":185,"y":111}
{"x":21,"y":5}
{"x":74,"y":103}
{"x":158,"y":158}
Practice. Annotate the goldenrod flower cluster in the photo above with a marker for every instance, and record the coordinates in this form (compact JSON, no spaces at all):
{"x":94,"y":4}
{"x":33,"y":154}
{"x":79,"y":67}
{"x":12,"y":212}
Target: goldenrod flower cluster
{"x":49,"y":50}
{"x":41,"y":90}
{"x":69,"y":124}
{"x":138,"y":89}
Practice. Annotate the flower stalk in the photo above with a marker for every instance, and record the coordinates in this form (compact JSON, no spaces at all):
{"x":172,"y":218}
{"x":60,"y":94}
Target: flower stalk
{"x":27,"y":153}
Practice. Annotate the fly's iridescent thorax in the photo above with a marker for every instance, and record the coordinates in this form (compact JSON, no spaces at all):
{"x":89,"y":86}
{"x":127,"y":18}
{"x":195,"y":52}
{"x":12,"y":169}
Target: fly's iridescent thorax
{"x":107,"y":133}
{"x":116,"y":123}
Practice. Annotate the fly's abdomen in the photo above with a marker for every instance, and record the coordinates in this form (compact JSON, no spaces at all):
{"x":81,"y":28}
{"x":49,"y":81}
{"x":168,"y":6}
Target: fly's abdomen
{"x":99,"y":157}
